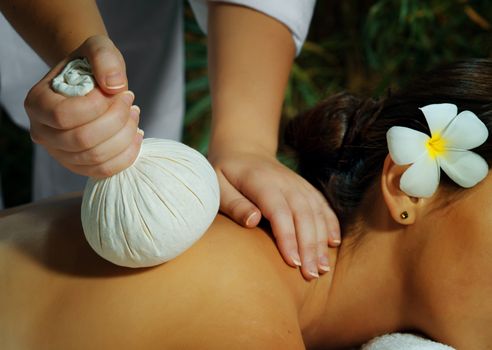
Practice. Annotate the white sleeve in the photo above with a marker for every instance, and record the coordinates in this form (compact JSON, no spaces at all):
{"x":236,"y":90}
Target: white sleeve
{"x":295,"y":14}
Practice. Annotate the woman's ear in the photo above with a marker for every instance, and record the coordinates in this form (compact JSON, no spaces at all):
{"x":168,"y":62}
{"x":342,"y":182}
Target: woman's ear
{"x":402,"y":207}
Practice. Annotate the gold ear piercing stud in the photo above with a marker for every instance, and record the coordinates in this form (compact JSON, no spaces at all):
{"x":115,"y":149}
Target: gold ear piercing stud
{"x":404,"y":215}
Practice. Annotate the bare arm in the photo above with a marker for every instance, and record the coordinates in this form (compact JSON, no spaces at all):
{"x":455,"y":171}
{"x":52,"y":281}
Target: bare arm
{"x":250,"y":59}
{"x":54,"y":28}
{"x":70,"y":128}
{"x":250,"y":56}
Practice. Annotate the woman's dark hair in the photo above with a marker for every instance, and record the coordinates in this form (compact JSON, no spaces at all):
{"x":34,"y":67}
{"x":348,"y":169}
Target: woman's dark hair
{"x":341,"y":143}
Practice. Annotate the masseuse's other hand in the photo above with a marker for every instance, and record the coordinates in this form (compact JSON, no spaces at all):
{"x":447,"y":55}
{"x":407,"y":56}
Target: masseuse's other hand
{"x":252,"y":185}
{"x":93,"y":135}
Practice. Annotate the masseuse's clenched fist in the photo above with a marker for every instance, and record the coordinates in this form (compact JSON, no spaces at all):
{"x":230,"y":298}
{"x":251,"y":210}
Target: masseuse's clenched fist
{"x":93,"y":135}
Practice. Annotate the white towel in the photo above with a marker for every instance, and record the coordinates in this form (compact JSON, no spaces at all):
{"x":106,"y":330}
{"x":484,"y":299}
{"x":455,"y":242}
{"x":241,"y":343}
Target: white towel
{"x":399,"y":341}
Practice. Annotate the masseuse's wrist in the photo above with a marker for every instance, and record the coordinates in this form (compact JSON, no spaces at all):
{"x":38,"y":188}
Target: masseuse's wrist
{"x":220,"y":146}
{"x":239,"y":133}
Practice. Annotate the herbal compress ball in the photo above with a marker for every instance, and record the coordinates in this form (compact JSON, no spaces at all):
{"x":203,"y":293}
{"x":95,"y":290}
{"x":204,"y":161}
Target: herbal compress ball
{"x":152,"y":211}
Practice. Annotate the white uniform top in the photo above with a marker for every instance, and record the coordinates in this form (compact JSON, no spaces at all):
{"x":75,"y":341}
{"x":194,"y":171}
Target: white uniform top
{"x":150,"y":36}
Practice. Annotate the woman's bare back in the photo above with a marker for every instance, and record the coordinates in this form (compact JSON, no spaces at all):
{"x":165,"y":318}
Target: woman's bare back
{"x":231,"y":288}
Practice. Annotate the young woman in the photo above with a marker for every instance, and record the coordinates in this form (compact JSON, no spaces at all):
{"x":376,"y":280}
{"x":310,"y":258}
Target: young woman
{"x":406,"y":262}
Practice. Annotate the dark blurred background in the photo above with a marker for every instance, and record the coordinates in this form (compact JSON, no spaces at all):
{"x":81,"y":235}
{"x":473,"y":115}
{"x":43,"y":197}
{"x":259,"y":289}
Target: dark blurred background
{"x":366,"y":47}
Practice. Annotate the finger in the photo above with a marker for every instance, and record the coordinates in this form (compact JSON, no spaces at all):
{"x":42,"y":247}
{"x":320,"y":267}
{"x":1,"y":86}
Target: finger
{"x":235,"y":205}
{"x":118,"y":163}
{"x":79,"y":110}
{"x":52,"y":73}
{"x":107,"y":149}
{"x":334,"y":236}
{"x":92,"y":134}
{"x":331,"y":220}
{"x":305,"y":226}
{"x":35,"y":131}
{"x":108,"y":65}
{"x":68,"y":113}
{"x":47,"y":107}
{"x":274,"y":207}
{"x":321,"y":231}
{"x":41,"y":98}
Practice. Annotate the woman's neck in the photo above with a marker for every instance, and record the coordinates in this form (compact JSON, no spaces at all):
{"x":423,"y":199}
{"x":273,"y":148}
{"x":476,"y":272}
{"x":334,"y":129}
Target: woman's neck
{"x":365,"y":297}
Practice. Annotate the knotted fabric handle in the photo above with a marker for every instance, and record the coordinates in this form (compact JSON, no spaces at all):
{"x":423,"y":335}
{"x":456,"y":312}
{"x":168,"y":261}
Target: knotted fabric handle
{"x":76,"y":79}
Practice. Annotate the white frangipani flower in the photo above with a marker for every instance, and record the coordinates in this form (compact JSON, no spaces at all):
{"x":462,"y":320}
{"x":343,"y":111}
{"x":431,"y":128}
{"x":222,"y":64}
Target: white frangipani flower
{"x":452,"y":136}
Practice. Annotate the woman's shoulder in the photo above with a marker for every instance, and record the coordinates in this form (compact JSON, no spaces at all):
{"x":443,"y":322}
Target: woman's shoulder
{"x":227,"y":291}
{"x":240,"y":292}
{"x":230,"y":288}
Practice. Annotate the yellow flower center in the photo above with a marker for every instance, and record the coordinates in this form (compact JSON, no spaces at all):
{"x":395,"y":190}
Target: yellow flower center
{"x":436,"y":146}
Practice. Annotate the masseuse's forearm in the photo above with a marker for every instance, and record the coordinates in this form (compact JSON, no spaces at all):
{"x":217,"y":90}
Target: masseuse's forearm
{"x":250,"y":56}
{"x":54,"y":28}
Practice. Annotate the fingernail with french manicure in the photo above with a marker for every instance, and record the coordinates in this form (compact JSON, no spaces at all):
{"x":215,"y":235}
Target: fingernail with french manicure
{"x":313,"y":271}
{"x":128,"y":97}
{"x":115,"y":81}
{"x":324,"y":264}
{"x":335,"y":240}
{"x":140,"y":132}
{"x":296,"y":259}
{"x":134,"y":112}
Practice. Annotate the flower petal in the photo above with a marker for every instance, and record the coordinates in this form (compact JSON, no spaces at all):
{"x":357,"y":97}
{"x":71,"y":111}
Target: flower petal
{"x":405,"y":145}
{"x":439,"y":115}
{"x":466,"y":131}
{"x":422,"y":178}
{"x":464,"y":167}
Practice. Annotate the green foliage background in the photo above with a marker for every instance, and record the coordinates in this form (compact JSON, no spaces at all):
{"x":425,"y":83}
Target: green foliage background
{"x":362,"y":46}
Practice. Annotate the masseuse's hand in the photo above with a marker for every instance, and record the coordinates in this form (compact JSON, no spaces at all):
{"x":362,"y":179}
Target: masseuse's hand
{"x":93,"y":135}
{"x":256,"y":184}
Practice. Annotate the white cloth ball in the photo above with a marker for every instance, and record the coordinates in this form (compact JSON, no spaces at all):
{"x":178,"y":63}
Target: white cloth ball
{"x":405,"y":341}
{"x":154,"y":210}
{"x":75,"y":79}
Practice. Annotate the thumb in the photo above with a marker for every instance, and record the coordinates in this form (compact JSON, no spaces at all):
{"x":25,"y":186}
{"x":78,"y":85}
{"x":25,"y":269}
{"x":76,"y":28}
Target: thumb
{"x":108,"y":65}
{"x":235,"y":205}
